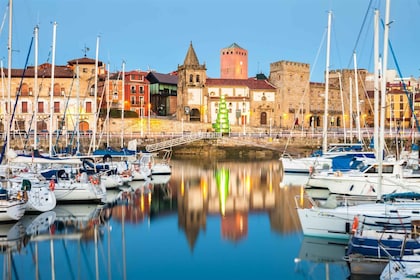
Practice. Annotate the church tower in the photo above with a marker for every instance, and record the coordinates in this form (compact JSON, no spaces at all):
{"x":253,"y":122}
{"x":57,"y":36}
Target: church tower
{"x":191,"y":102}
{"x":234,"y":62}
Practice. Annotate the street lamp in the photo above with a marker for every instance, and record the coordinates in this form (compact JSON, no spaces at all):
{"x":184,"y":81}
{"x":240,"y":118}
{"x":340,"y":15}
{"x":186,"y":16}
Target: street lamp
{"x":244,"y":117}
{"x":148,"y":117}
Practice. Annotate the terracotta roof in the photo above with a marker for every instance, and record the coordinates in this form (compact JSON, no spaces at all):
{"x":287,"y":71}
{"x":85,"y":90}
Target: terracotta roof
{"x":44,"y":70}
{"x":83,"y":60}
{"x":251,"y":83}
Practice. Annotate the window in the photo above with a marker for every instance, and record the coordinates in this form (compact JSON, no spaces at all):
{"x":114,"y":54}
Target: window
{"x":197,"y":78}
{"x":24,"y":107}
{"x":133,"y":100}
{"x":40,"y":107}
{"x":57,"y":90}
{"x":88,"y":107}
{"x":24,"y":90}
{"x":133,"y":89}
{"x":191,"y":78}
{"x":115,"y":96}
{"x":141,"y":89}
{"x":56,"y":107}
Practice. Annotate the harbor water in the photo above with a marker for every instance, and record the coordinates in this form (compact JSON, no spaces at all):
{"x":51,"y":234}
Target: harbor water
{"x":207,"y":220}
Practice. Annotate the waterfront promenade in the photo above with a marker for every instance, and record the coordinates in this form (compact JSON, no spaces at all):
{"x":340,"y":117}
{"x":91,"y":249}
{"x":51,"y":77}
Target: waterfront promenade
{"x":273,"y":140}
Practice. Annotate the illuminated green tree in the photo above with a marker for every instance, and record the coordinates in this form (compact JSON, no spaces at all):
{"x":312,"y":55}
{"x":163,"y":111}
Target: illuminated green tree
{"x":222,"y":119}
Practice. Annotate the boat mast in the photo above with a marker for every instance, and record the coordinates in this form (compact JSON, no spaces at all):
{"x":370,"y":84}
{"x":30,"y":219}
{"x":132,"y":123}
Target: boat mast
{"x":351,"y":108}
{"x":383,"y":96}
{"x":342,"y":107}
{"x":376,"y":84}
{"x":9,"y":76}
{"x":52,"y":88}
{"x":35,"y":104}
{"x":95,"y":115}
{"x":122,"y":104}
{"x":107,"y":108}
{"x":356,"y":83}
{"x":327,"y":76}
{"x":77,"y":109}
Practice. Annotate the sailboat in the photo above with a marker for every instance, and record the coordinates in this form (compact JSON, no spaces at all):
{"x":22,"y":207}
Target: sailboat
{"x":336,"y":220}
{"x":332,"y":156}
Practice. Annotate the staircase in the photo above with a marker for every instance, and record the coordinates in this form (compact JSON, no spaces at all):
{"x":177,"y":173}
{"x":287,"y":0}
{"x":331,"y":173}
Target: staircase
{"x":182,"y":140}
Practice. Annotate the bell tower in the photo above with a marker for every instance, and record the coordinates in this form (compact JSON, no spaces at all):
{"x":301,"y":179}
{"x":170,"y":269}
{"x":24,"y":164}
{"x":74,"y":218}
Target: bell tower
{"x":190,"y":92}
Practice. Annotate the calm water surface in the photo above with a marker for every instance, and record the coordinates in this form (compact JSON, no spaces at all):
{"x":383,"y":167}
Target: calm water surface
{"x":208,"y":220}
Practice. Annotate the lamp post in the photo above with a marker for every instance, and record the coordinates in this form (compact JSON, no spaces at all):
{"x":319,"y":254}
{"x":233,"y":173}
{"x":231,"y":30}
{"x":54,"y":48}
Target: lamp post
{"x":182,"y":126}
{"x":243,"y":117}
{"x":148,"y":117}
{"x":141,"y":117}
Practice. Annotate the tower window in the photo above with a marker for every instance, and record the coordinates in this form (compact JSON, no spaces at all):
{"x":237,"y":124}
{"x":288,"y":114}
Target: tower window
{"x":191,"y":78}
{"x":197,"y":78}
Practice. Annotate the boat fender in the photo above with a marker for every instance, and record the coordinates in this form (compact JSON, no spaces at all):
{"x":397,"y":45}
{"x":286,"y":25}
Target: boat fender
{"x":93,"y":180}
{"x":355,"y":225}
{"x":52,"y":185}
{"x":311,"y":169}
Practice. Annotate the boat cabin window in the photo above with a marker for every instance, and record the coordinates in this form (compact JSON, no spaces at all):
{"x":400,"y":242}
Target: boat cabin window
{"x":389,"y":169}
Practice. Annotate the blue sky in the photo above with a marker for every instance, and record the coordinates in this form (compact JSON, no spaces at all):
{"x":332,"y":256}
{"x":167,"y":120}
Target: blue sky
{"x":156,"y":34}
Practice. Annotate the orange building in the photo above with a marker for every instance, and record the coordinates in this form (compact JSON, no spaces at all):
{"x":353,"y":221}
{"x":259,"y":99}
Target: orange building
{"x":234,"y":62}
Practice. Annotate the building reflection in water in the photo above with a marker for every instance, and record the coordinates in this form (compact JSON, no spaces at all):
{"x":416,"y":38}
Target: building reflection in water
{"x":233,"y":191}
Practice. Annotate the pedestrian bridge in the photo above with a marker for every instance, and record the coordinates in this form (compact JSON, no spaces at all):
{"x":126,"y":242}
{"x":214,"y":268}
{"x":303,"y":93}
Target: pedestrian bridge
{"x":181,"y":140}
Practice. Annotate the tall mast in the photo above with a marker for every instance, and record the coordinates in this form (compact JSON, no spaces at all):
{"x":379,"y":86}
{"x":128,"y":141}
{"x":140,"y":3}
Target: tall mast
{"x":376,"y":84}
{"x":107,"y":107}
{"x":383,"y":97}
{"x":35,"y":104}
{"x":122,"y":104}
{"x":327,"y":77}
{"x":52,"y":88}
{"x":356,"y":86}
{"x":77,"y":108}
{"x":95,"y":102}
{"x":9,"y":76}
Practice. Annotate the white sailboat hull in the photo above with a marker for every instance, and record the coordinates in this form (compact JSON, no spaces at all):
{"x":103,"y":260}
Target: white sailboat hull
{"x":368,"y":186}
{"x":337,"y":222}
{"x":79,"y":191}
{"x":11,"y":210}
{"x":40,"y":199}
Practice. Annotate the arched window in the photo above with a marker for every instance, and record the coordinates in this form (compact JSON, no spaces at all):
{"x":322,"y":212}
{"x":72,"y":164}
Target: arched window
{"x":191,"y":78}
{"x":197,"y":78}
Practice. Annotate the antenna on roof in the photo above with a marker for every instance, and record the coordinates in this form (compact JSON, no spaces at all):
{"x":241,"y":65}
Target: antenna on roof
{"x":85,"y":50}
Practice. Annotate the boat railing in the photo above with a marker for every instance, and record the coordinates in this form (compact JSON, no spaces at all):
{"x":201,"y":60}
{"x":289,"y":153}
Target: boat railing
{"x":306,"y":201}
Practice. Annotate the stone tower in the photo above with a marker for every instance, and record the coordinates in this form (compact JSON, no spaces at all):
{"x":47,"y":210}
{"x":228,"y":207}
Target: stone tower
{"x":234,"y":62}
{"x":191,"y":100}
{"x":292,"y":82}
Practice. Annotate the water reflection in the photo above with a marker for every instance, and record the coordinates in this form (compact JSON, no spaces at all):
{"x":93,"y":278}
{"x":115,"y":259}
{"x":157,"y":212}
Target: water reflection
{"x":179,"y":222}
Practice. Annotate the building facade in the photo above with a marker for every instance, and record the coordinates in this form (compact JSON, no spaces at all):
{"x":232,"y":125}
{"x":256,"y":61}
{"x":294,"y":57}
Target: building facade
{"x":68,"y":104}
{"x":163,"y":92}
